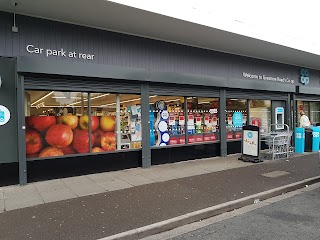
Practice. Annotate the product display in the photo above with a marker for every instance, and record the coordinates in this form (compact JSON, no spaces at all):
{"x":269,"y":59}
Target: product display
{"x":201,"y":122}
{"x":135,"y":126}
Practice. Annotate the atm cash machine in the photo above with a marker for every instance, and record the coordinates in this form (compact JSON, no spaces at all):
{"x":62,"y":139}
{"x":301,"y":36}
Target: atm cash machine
{"x":279,"y":118}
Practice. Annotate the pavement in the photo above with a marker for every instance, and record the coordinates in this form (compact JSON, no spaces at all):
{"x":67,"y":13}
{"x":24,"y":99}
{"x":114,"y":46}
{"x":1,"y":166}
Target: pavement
{"x":130,"y":204}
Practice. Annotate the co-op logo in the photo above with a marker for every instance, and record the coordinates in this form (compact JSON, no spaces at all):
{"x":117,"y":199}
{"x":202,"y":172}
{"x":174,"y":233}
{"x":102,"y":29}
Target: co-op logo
{"x":304,"y":76}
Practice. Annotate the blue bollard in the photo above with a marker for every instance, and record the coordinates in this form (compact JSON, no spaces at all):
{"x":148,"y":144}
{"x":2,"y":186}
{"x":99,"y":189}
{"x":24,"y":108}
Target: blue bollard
{"x":299,"y":140}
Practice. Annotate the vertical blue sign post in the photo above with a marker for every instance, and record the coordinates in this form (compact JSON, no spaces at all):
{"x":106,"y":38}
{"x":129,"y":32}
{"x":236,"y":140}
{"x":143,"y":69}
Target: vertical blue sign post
{"x":299,"y":140}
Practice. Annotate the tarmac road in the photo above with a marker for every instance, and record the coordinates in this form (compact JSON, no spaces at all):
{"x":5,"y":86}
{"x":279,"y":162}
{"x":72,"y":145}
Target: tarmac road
{"x":295,"y":218}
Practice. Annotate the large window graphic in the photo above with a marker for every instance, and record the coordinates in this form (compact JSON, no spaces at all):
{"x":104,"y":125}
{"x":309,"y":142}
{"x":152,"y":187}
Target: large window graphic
{"x":58,"y":124}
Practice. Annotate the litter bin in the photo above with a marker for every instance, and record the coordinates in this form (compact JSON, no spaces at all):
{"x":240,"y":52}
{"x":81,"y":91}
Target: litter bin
{"x":299,"y":140}
{"x":315,"y":138}
{"x":308,"y":140}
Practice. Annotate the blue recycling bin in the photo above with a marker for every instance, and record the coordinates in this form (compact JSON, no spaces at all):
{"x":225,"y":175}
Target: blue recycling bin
{"x":315,"y":138}
{"x":299,"y":140}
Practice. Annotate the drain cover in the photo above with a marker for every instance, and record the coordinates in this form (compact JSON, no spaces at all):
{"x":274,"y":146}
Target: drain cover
{"x":275,"y":174}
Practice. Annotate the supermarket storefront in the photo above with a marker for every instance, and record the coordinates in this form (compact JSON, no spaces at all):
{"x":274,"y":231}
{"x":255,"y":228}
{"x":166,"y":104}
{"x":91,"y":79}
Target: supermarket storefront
{"x":109,"y":101}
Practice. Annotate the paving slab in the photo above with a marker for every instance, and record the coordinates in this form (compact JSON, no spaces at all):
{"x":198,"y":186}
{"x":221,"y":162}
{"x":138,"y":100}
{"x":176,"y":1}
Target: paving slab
{"x":195,"y":170}
{"x":80,"y":180}
{"x":21,"y":201}
{"x":83,"y":186}
{"x":28,"y":189}
{"x":57,"y":195}
{"x":50,"y":185}
{"x":114,"y":185}
{"x":102,"y":177}
{"x":86,"y":190}
{"x":182,"y":173}
{"x":158,"y":176}
{"x":1,"y":195}
{"x":123,"y":174}
{"x":136,"y":180}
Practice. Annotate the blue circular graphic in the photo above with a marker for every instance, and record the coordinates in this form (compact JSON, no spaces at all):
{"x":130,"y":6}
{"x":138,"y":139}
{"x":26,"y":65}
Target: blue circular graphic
{"x":237,"y":119}
{"x":250,"y":135}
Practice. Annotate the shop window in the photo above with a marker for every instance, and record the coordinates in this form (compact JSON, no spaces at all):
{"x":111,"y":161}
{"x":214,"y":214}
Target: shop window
{"x":167,"y":121}
{"x":56,"y":123}
{"x":116,"y":131}
{"x":236,"y":118}
{"x":300,"y":107}
{"x":315,"y":113}
{"x":311,"y":109}
{"x":202,"y":119}
{"x":103,"y":112}
{"x":260,"y":114}
{"x":130,"y":132}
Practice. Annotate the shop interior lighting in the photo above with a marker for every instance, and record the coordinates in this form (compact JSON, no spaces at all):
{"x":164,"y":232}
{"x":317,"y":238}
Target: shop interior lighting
{"x":64,"y":106}
{"x":68,"y":97}
{"x":92,"y":98}
{"x":125,"y":101}
{"x":42,"y":98}
{"x":85,"y":100}
{"x":100,"y":96}
{"x":131,"y":100}
{"x":172,"y":100}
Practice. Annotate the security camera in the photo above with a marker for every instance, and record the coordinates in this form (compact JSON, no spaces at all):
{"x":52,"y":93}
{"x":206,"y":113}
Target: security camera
{"x":14,"y":3}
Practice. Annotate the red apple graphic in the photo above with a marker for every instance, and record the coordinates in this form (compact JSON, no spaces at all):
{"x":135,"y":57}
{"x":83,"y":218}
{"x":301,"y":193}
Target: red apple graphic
{"x":97,"y":137}
{"x":84,"y":122}
{"x":33,"y":142}
{"x":97,"y":149}
{"x":81,"y":141}
{"x":108,"y":123}
{"x":108,"y":141}
{"x":59,"y":135}
{"x":68,"y":150}
{"x":51,"y":152}
{"x":41,"y":123}
{"x":27,"y":120}
{"x":69,"y":120}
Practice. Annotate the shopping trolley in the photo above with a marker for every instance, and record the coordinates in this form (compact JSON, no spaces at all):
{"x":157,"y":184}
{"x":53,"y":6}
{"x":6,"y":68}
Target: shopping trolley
{"x":279,"y":142}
